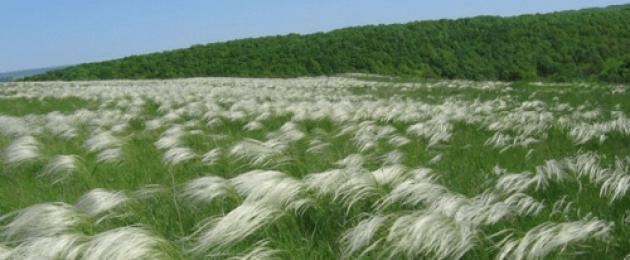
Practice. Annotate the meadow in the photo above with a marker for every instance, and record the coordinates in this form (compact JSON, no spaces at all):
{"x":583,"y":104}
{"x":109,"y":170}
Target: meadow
{"x":314,"y":168}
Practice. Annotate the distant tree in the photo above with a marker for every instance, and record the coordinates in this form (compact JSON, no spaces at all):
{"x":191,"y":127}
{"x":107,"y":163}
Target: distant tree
{"x":590,"y":44}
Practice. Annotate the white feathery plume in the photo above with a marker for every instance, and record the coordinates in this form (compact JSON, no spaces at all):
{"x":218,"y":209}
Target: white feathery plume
{"x":238,"y":224}
{"x":110,"y":155}
{"x":208,"y":188}
{"x":453,"y":205}
{"x":149,"y":191}
{"x":253,"y":125}
{"x":153,"y":124}
{"x":98,"y":201}
{"x":5,"y":252}
{"x":616,"y":185}
{"x":358,"y":185}
{"x":214,"y":122}
{"x":552,"y":170}
{"x":499,"y":140}
{"x":386,"y":130}
{"x":118,"y":128}
{"x":412,"y":193}
{"x":390,"y":175}
{"x":614,"y":182}
{"x":264,"y":116}
{"x":172,"y":116}
{"x":260,"y":251}
{"x":547,"y":237}
{"x":584,"y":132}
{"x":327,"y":182}
{"x":101,"y":141}
{"x":364,"y":138}
{"x":422,"y":174}
{"x":523,"y":204}
{"x":247,"y":182}
{"x":498,"y":170}
{"x":124,"y":243}
{"x":587,"y":164}
{"x":426,"y":233}
{"x":437,"y":130}
{"x":437,"y":158}
{"x":506,"y":141}
{"x":529,"y":153}
{"x":515,"y":182}
{"x":60,"y":126}
{"x":288,"y":132}
{"x":40,"y":220}
{"x":393,"y":157}
{"x":366,"y":134}
{"x":257,"y":152}
{"x":361,"y":236}
{"x":23,"y":149}
{"x":562,"y":207}
{"x":347,"y":185}
{"x":62,"y":166}
{"x":63,"y":246}
{"x":484,"y":209}
{"x":351,"y":161}
{"x":270,"y":188}
{"x":170,"y":138}
{"x":349,"y":128}
{"x":14,"y":126}
{"x":168,"y":141}
{"x":398,"y":140}
{"x":176,"y":155}
{"x":317,"y":146}
{"x":299,"y":206}
{"x":211,"y":156}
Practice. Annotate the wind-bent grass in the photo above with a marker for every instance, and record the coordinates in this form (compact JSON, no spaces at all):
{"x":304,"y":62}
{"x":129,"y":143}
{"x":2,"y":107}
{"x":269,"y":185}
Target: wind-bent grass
{"x":314,"y":168}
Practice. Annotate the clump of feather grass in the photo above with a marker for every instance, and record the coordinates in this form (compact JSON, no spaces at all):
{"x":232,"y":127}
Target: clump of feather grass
{"x":62,"y":167}
{"x":545,"y":238}
{"x":40,"y":220}
{"x":218,"y":233}
{"x":62,"y":246}
{"x":21,"y":150}
{"x":129,"y":242}
{"x":98,"y":201}
{"x":207,"y":189}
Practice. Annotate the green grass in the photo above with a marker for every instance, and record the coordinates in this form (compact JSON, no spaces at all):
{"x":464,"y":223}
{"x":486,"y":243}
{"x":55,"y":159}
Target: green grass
{"x":466,"y":168}
{"x":26,"y":106}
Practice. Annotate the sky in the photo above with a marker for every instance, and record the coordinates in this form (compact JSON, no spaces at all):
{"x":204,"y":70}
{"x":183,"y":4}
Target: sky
{"x":44,"y":33}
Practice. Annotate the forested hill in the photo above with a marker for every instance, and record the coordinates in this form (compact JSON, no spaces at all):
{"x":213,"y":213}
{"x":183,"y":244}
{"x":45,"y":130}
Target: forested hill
{"x":590,"y":44}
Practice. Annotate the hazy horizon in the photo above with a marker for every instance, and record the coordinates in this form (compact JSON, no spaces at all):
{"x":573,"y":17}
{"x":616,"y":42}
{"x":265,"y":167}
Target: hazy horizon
{"x":60,"y":33}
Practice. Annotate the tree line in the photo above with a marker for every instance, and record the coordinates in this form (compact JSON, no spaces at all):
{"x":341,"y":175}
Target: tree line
{"x":590,"y":44}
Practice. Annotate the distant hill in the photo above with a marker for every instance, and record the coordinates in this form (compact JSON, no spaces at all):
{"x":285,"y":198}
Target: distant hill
{"x":14,"y":75}
{"x":590,"y":44}
{"x":619,"y":6}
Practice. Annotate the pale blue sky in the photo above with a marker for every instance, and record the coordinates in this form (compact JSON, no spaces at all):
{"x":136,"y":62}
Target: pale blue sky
{"x":46,"y":33}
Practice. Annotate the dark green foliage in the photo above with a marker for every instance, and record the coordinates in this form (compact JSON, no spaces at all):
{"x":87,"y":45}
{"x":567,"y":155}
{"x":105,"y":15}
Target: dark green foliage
{"x":589,"y":44}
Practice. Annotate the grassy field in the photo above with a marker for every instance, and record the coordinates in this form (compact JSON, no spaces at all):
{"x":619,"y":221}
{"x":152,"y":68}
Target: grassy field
{"x":313,"y":168}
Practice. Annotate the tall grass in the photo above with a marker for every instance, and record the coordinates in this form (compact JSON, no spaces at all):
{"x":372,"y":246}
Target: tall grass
{"x":313,"y":168}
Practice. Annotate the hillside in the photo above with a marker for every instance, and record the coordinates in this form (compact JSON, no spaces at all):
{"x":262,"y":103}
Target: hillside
{"x":591,"y":44}
{"x":13,"y":75}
